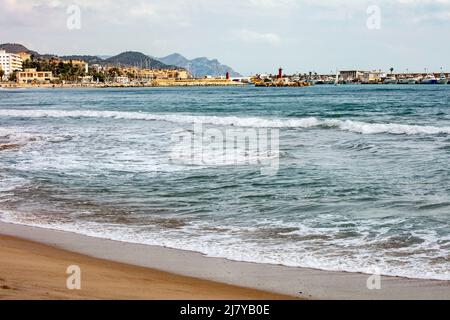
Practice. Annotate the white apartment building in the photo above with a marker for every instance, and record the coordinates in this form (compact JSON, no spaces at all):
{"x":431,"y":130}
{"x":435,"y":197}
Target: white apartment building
{"x":10,"y":62}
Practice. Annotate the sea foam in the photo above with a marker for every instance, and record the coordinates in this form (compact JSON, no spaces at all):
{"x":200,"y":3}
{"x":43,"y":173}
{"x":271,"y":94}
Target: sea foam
{"x":253,"y":122}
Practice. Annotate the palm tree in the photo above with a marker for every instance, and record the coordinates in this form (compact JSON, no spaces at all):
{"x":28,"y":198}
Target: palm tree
{"x":13,"y":76}
{"x":392,"y":70}
{"x":2,"y":73}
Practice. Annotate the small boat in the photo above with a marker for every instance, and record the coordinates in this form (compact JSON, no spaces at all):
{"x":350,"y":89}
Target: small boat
{"x":429,"y":79}
{"x":336,"y":81}
{"x":408,"y":80}
{"x":404,"y":80}
{"x":390,"y":80}
{"x":443,"y":79}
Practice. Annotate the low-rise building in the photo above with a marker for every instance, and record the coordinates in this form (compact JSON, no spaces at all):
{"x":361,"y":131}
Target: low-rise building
{"x":54,"y":60}
{"x":86,"y":79}
{"x":352,"y":76}
{"x":98,"y":68}
{"x":75,"y":62}
{"x":182,"y":74}
{"x":10,"y":62}
{"x":153,"y":74}
{"x":122,"y":80}
{"x":373,"y":76}
{"x":24,"y":56}
{"x":78,"y":63}
{"x":34,"y":76}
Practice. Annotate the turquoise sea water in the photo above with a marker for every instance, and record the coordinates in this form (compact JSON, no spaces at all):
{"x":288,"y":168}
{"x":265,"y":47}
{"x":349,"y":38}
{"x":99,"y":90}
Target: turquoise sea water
{"x":363,"y":177}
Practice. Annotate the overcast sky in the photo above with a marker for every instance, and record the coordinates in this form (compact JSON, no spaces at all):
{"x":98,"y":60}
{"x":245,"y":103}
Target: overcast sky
{"x":249,"y":35}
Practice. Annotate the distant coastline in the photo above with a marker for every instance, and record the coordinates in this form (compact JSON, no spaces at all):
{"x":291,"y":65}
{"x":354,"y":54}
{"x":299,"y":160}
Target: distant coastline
{"x":175,"y":83}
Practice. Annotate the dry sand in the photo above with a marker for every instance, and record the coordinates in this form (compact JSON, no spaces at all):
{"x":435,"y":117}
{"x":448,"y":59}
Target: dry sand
{"x":30,"y":270}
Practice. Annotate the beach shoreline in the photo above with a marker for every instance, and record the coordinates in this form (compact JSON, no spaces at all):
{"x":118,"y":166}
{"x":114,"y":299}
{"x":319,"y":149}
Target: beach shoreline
{"x":35,"y":271}
{"x":281,"y":281}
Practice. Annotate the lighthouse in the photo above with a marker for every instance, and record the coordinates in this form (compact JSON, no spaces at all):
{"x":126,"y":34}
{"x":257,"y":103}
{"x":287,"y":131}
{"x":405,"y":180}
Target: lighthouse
{"x":280,"y":73}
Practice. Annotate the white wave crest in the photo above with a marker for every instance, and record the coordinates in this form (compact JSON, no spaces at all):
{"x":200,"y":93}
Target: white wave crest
{"x":12,"y":135}
{"x":16,"y":136}
{"x":254,"y":122}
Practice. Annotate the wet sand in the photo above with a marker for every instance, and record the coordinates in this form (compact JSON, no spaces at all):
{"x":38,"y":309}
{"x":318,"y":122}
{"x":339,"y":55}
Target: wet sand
{"x":133,"y":273}
{"x":4,"y":147}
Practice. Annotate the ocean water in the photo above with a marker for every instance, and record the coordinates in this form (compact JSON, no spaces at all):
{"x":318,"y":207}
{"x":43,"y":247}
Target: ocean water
{"x":362,"y":179}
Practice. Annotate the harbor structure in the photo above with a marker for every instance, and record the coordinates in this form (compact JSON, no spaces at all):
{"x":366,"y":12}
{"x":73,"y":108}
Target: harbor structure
{"x":349,"y":77}
{"x":279,"y":80}
{"x":280,"y":73}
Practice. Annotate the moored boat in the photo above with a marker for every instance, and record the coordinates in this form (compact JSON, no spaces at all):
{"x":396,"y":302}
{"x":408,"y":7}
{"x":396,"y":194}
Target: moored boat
{"x":406,"y":80}
{"x":410,"y":80}
{"x":429,"y":79}
{"x":390,"y":80}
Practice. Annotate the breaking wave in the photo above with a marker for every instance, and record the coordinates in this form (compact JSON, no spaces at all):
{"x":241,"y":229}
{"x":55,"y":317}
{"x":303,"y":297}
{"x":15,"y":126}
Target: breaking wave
{"x":12,"y":138}
{"x":253,"y":122}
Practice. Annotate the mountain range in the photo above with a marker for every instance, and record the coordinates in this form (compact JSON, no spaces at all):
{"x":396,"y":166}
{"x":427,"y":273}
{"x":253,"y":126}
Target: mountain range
{"x":198,"y":67}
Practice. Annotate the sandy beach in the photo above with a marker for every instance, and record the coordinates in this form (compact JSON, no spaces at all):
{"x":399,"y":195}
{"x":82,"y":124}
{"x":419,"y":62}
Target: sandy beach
{"x":33,"y":263}
{"x":186,"y":151}
{"x":29,"y":270}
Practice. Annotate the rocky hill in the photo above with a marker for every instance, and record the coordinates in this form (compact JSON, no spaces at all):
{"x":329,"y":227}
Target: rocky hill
{"x":137,"y":59}
{"x":16,"y":48}
{"x":199,"y":67}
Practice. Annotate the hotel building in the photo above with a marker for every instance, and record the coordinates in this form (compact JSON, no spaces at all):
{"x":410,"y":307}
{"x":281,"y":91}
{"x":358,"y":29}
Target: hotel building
{"x":10,"y":62}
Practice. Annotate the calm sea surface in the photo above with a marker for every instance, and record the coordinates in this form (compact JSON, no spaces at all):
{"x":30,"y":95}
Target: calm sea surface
{"x":363,"y":178}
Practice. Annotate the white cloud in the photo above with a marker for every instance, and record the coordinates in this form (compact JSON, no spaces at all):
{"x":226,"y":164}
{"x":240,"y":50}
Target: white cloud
{"x":143,"y":9}
{"x":205,"y":27}
{"x":249,"y":36}
{"x":182,"y":11}
{"x":15,"y":5}
{"x":272,"y":3}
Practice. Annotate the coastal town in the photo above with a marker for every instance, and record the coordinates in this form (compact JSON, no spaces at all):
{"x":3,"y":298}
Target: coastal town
{"x":23,"y":69}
